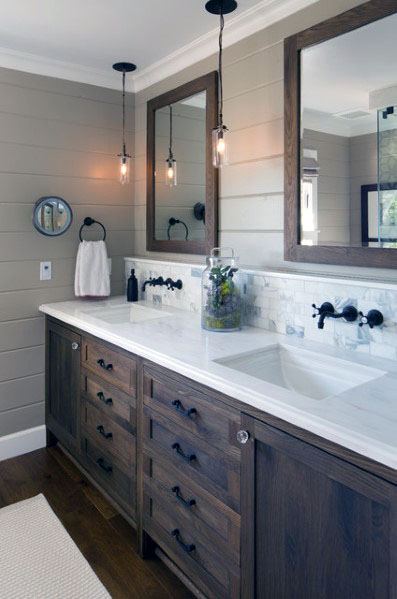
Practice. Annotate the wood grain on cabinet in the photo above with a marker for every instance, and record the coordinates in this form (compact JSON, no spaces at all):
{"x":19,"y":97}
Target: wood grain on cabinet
{"x":313,"y":525}
{"x":113,"y":365}
{"x":194,"y":411}
{"x":206,"y":465}
{"x":63,"y":385}
{"x":109,"y":399}
{"x":202,"y":512}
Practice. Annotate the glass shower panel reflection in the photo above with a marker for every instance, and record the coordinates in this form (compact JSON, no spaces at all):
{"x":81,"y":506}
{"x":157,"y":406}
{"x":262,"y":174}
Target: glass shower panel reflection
{"x":386,"y":214}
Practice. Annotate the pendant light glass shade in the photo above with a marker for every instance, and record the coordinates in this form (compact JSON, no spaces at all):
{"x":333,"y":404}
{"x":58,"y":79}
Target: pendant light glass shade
{"x":171,"y":178}
{"x":220,"y":148}
{"x":124,"y":175}
{"x":124,"y":157}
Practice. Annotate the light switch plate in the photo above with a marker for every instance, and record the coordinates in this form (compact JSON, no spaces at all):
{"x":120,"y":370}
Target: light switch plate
{"x":45,"y":271}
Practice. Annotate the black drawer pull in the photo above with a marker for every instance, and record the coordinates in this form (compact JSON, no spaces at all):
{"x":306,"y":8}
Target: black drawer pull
{"x":101,"y":431}
{"x":188,"y":547}
{"x":103,"y":364}
{"x":187,"y":457}
{"x":186,"y":502}
{"x":108,"y":468}
{"x":179,"y":408}
{"x":108,"y":401}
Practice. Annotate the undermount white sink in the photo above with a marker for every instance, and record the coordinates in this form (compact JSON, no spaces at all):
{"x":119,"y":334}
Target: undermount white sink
{"x":124,"y":314}
{"x":302,"y":371}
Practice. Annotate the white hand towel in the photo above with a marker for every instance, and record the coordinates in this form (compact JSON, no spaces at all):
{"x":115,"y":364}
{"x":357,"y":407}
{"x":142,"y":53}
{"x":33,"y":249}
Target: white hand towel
{"x":92,"y":278}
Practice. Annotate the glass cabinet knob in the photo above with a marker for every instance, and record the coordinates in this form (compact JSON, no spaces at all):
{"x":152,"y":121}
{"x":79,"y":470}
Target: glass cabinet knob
{"x":242,"y":437}
{"x":75,"y":346}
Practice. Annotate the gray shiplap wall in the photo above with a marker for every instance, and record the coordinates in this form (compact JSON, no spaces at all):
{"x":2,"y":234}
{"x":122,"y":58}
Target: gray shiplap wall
{"x":56,"y":137}
{"x":251,"y":189}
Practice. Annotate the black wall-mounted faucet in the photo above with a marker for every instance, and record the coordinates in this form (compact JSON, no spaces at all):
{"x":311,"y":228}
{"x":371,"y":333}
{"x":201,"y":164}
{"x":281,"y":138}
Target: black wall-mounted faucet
{"x":326,"y":310}
{"x":169,"y":283}
{"x":374,"y":318}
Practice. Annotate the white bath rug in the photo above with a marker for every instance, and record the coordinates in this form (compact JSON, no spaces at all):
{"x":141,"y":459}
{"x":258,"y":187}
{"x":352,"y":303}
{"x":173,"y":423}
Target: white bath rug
{"x":38,"y":559}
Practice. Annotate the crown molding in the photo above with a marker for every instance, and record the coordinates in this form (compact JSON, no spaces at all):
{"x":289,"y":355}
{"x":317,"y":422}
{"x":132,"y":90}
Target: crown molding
{"x":243,"y":24}
{"x":258,"y":17}
{"x":50,"y":67}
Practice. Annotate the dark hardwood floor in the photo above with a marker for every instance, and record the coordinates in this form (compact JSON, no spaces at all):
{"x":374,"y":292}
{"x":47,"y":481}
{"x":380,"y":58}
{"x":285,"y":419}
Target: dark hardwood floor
{"x":102,"y":535}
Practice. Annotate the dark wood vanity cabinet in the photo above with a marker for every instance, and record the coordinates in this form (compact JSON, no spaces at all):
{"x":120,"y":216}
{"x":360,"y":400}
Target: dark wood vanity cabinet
{"x":313,"y":525}
{"x":63,"y":348}
{"x":268,"y":515}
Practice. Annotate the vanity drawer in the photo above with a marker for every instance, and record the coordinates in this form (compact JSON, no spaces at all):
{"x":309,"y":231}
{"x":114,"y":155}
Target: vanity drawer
{"x":111,"y":401}
{"x":107,"y":470}
{"x":191,"y":409}
{"x":118,"y":368}
{"x":200,"y":511}
{"x":214,"y":470}
{"x":198,"y":559}
{"x":109,"y":436}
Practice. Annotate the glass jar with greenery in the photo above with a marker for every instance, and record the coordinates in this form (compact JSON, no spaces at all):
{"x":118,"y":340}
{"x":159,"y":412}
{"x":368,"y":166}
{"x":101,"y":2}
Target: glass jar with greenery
{"x":221,"y":298}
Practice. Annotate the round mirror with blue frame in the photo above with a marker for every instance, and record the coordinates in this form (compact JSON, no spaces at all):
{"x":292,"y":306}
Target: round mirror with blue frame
{"x":52,"y":216}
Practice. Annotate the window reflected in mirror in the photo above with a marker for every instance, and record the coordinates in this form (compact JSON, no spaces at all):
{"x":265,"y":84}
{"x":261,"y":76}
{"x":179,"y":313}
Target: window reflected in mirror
{"x":348,"y":141}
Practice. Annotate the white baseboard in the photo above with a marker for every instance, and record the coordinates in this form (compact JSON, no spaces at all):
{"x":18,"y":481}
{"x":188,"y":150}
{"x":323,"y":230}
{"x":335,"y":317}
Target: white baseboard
{"x":22,"y":442}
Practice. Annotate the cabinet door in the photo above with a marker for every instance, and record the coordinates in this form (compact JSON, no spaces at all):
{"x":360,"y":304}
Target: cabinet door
{"x":63,"y":385}
{"x":313,"y":525}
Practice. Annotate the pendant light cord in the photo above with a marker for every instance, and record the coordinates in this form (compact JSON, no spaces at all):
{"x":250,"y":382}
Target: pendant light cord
{"x":170,"y":154}
{"x":124,"y":148}
{"x":220,"y":78}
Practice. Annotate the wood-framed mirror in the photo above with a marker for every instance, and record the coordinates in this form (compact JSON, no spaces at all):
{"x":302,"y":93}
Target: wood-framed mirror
{"x":182,"y":184}
{"x":340,"y":109}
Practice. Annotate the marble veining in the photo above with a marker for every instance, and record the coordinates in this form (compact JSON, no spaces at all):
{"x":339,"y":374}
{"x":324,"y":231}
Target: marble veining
{"x":363,"y":419}
{"x":281,"y":302}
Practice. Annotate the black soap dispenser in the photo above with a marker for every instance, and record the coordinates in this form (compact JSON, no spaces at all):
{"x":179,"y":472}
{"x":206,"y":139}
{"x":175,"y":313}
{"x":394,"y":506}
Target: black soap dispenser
{"x":132,"y":287}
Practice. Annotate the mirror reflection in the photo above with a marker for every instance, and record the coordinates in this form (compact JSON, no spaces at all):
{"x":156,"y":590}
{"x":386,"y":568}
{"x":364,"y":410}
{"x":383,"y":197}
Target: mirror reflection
{"x":180,"y":169}
{"x":52,"y":216}
{"x":348,"y":147}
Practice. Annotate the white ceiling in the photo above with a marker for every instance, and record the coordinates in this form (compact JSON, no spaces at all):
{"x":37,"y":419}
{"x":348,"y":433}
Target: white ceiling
{"x":338,"y":75}
{"x":81,"y":39}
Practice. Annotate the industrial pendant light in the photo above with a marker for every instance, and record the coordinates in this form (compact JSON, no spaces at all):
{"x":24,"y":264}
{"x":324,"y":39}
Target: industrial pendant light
{"x":170,"y":168}
{"x":219,"y":134}
{"x":124,"y":175}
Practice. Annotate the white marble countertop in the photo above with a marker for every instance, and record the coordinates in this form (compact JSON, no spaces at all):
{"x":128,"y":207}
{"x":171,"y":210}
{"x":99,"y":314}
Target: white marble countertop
{"x":363,"y":419}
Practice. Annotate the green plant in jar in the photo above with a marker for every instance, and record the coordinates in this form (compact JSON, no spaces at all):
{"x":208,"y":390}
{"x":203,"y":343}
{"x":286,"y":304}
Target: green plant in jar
{"x":221,"y":297}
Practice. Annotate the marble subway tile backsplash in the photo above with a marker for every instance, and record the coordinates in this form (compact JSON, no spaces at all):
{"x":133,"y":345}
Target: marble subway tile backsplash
{"x":281,"y":302}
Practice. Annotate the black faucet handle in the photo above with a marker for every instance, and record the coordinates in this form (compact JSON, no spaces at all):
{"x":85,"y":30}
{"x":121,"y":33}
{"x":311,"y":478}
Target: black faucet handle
{"x":325,"y":307}
{"x":374,"y":318}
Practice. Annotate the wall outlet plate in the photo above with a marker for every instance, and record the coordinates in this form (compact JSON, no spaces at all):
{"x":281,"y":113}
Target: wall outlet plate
{"x":45,"y":271}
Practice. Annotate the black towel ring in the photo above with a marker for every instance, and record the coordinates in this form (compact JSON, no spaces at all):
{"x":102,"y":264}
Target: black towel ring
{"x":88,"y":221}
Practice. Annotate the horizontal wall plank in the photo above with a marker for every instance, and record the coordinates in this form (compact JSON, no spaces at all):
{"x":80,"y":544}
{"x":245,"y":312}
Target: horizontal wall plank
{"x":27,"y":188}
{"x":21,"y":362}
{"x":38,"y":103}
{"x":21,"y":392}
{"x":34,"y":246}
{"x":256,"y":142}
{"x":260,"y":68}
{"x":23,"y":159}
{"x":257,"y":106}
{"x":57,"y":134}
{"x":21,"y":419}
{"x":16,"y":305}
{"x":252,"y":213}
{"x":255,"y":248}
{"x":253,"y":178}
{"x":19,"y":334}
{"x":18,"y":275}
